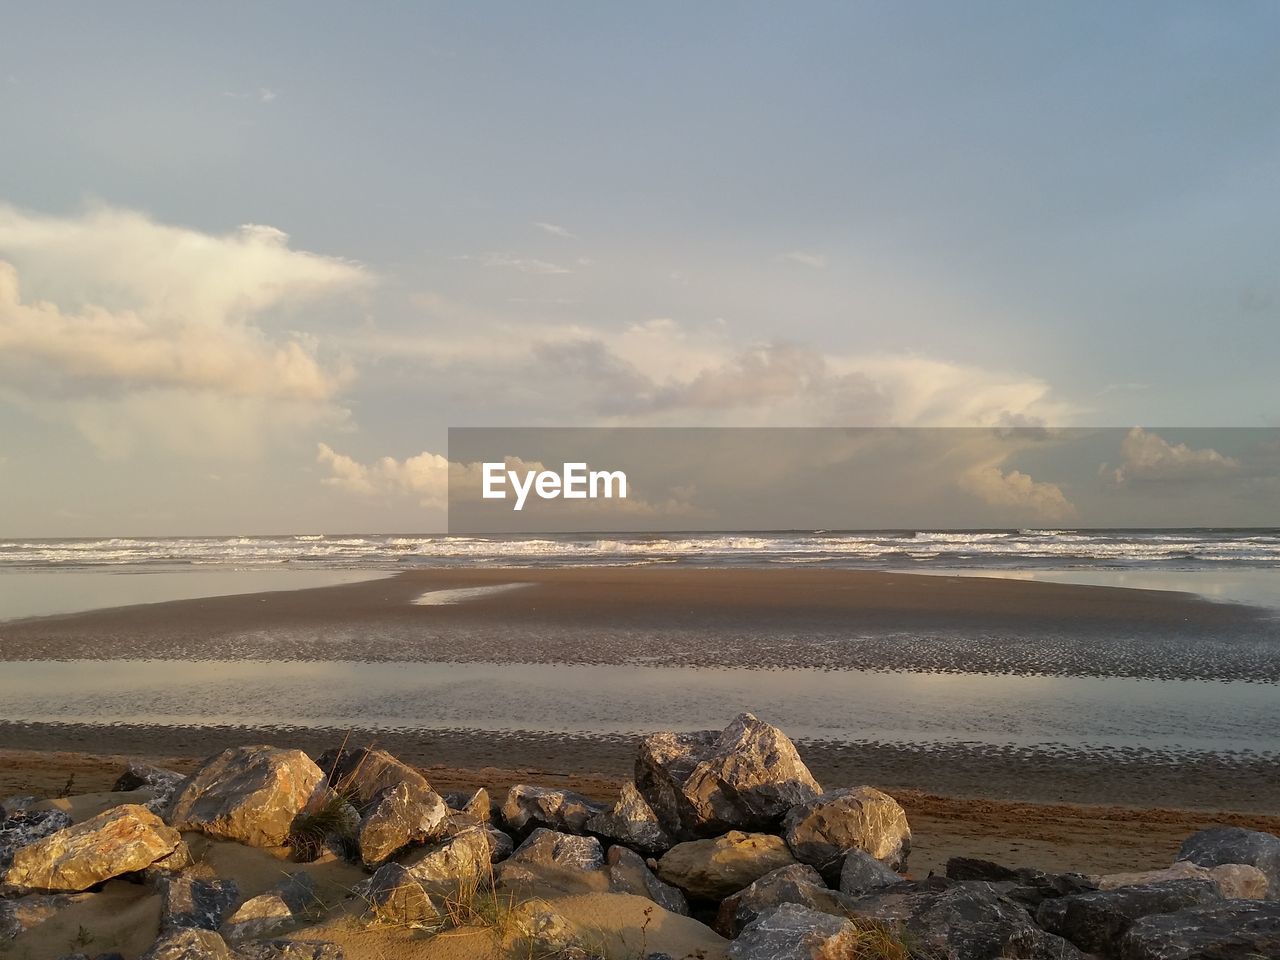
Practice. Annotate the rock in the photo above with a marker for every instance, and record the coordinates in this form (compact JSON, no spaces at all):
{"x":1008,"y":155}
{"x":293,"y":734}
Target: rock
{"x":20,"y":915}
{"x":628,"y":873}
{"x":798,"y":884}
{"x":289,"y":950}
{"x":1095,"y":921}
{"x":1025,"y":885}
{"x":1222,"y":845}
{"x":632,"y":823}
{"x":1235,"y":881}
{"x":475,"y":806}
{"x":199,"y":902}
{"x":462,"y":858}
{"x":541,"y":927}
{"x":249,"y":794}
{"x":361,"y":774}
{"x":188,"y":943}
{"x":288,"y":901}
{"x":396,"y":896}
{"x":162,"y":783}
{"x":168,"y":866}
{"x":23,"y":827}
{"x":790,"y":932}
{"x":527,"y":808}
{"x":701,"y":784}
{"x":117,"y":841}
{"x":861,"y":873}
{"x":501,"y":845}
{"x":1232,"y":930}
{"x":969,"y":920}
{"x":822,"y":830}
{"x":713,"y":869}
{"x":549,"y":848}
{"x":398,"y":816}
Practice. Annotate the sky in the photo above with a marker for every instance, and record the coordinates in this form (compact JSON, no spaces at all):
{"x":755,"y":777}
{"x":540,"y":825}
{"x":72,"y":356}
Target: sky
{"x":255,"y":261}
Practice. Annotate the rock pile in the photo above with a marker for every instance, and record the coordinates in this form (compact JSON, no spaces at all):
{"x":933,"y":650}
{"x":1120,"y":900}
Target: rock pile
{"x":729,"y":827}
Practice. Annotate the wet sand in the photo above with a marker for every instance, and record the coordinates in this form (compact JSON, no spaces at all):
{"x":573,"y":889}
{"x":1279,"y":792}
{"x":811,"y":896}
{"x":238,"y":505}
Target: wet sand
{"x":831,"y":619}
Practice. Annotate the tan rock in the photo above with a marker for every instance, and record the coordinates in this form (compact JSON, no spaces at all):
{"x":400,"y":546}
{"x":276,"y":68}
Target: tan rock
{"x":119,"y":841}
{"x":715,"y":868}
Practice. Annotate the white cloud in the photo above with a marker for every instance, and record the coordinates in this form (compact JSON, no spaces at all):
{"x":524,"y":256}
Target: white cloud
{"x":807,"y":258}
{"x":1013,"y":489}
{"x":124,"y":326}
{"x":1149,"y":457}
{"x":424,"y":477}
{"x":555,"y":230}
{"x":511,"y":261}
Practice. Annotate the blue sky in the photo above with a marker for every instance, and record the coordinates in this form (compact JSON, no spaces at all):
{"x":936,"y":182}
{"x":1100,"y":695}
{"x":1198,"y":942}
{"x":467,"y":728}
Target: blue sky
{"x":566,"y":214}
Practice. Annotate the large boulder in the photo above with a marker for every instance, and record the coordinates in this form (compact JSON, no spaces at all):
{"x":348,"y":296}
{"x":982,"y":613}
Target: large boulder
{"x":961,"y":921}
{"x":798,"y":884}
{"x":362,"y":773}
{"x":1025,"y":885}
{"x":117,"y":841}
{"x":701,"y":784}
{"x":632,"y":823}
{"x":398,"y":816}
{"x":550,"y":848}
{"x":1232,"y":930}
{"x":1235,"y":881}
{"x":199,"y":902}
{"x":1096,"y":921}
{"x":17,"y":916}
{"x":528,"y":808}
{"x":1223,"y":845}
{"x":397,"y":897}
{"x":628,"y":873}
{"x":792,"y":932}
{"x":249,"y":794}
{"x":288,"y":901}
{"x":712,"y":869}
{"x":460,"y":859}
{"x":821,"y":831}
{"x":23,"y":827}
{"x":862,"y":873}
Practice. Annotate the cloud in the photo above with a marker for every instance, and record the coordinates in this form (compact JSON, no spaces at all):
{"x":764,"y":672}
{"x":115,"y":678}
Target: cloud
{"x":424,"y":477}
{"x":555,"y":230}
{"x":1148,"y":457}
{"x":511,"y":261}
{"x":125,"y":327}
{"x":1042,"y":500}
{"x":806,"y":258}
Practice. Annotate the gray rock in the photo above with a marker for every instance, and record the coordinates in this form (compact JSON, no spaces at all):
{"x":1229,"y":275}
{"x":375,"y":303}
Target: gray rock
{"x":527,"y":808}
{"x":199,"y":902}
{"x":550,"y":848}
{"x":289,"y":950}
{"x":267,"y":913}
{"x":398,"y":816}
{"x":1222,"y":845}
{"x":701,"y":784}
{"x":501,"y":845}
{"x":162,"y":784}
{"x":628,"y":873}
{"x":249,"y":794}
{"x":790,"y":932}
{"x":22,"y":914}
{"x":362,"y":774}
{"x":715,"y":868}
{"x":23,"y":827}
{"x":1232,"y":930}
{"x":961,"y":921}
{"x":121,"y":840}
{"x":189,"y":943}
{"x":821,"y":831}
{"x":797,"y":884}
{"x":397,"y":897}
{"x":632,"y":823}
{"x":1025,"y":885}
{"x":862,"y":873}
{"x":16,"y":804}
{"x":440,"y":867}
{"x":1096,"y":921}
